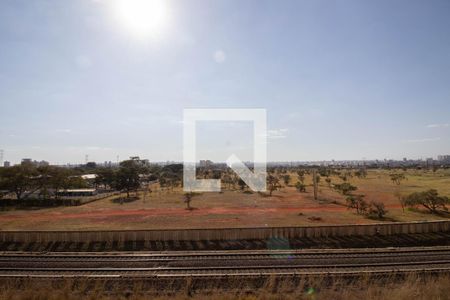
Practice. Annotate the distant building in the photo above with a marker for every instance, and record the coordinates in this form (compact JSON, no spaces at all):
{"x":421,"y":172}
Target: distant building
{"x":91,"y":165}
{"x":205,"y":163}
{"x":41,"y":163}
{"x":26,"y":161}
{"x":77,"y":193}
{"x":7,"y":164}
{"x":29,"y":161}
{"x":443,"y":158}
{"x":89,"y":176}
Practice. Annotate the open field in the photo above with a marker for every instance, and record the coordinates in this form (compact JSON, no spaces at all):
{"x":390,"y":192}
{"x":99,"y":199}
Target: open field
{"x":286,"y":207}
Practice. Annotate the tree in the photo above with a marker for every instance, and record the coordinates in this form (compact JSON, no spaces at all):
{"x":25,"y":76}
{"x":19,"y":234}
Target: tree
{"x":357,"y":202}
{"x":429,"y":199}
{"x":377,"y":209}
{"x":188,"y":198}
{"x":328,"y":181}
{"x":343,"y":177}
{"x":300,"y":187}
{"x":127,"y":177}
{"x":105,"y":177}
{"x":20,"y":180}
{"x":91,"y":165}
{"x":324,"y":172}
{"x":75,"y":182}
{"x":242,"y":184}
{"x":361,"y":173}
{"x":273,"y":184}
{"x":315,"y":179}
{"x":169,"y":179}
{"x":401,"y":199}
{"x":56,"y":178}
{"x":345,"y":188}
{"x":227,"y":180}
{"x":301,"y":176}
{"x":286,"y":179}
{"x":397,"y":178}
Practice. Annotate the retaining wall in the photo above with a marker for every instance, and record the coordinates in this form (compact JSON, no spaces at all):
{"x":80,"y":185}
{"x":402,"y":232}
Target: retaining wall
{"x":224,"y":233}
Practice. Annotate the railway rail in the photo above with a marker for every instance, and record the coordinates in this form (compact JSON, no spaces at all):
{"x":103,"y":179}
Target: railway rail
{"x":225,"y":263}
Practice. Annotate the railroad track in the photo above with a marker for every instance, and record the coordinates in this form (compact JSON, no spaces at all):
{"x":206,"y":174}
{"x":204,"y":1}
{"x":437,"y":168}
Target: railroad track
{"x":225,"y":263}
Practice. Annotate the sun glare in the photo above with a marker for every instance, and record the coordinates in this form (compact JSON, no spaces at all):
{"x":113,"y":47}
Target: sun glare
{"x":142,"y":18}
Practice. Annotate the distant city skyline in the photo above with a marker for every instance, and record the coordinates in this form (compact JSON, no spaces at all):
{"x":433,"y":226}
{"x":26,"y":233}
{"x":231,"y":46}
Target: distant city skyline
{"x":342,"y":80}
{"x":440,"y":158}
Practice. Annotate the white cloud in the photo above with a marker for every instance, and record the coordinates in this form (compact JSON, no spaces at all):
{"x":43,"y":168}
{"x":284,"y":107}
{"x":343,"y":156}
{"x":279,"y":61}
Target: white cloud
{"x":219,"y":56}
{"x":438,"y":125}
{"x":277,"y":133}
{"x":423,"y":140}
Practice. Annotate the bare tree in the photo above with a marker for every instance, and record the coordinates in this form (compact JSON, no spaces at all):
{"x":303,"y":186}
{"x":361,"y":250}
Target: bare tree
{"x":188,"y":198}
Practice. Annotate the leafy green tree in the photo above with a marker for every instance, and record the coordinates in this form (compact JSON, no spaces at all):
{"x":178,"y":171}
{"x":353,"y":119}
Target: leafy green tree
{"x":127,"y":177}
{"x":357,"y":202}
{"x":345,"y":188}
{"x":429,"y":199}
{"x":286,"y":179}
{"x":55,"y":178}
{"x":397,"y":178}
{"x":60,"y":179}
{"x":273,"y":184}
{"x":105,"y":177}
{"x":20,"y":180}
{"x":169,"y":179}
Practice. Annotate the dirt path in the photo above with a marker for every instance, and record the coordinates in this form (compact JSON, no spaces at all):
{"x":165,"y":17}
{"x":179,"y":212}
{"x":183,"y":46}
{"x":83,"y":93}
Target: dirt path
{"x":172,"y":212}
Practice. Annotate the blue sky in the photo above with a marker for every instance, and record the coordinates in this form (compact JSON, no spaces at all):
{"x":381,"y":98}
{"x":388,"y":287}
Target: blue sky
{"x":342,"y":79}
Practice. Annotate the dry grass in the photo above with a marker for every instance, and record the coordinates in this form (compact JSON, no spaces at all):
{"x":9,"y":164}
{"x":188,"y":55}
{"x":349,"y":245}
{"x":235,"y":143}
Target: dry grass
{"x":413,"y":287}
{"x":287,"y":207}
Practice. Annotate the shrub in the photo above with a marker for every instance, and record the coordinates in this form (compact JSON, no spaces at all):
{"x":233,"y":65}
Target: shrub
{"x":345,"y":188}
{"x":429,"y":199}
{"x":300,"y":187}
{"x":357,"y":202}
{"x":377,"y":209}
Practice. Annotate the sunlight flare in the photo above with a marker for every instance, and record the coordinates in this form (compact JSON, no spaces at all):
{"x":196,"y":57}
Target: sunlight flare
{"x":142,"y":18}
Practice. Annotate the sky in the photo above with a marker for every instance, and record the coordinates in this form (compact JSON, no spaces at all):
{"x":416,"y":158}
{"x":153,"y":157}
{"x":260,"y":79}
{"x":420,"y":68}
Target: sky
{"x":353,"y":79}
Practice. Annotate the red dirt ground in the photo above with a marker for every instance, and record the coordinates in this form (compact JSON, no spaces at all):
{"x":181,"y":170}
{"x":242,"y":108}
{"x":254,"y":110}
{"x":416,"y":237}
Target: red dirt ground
{"x":286,"y":207}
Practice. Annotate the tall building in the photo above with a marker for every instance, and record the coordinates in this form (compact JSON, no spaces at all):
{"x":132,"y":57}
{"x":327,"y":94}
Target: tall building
{"x":26,"y":161}
{"x":205,"y":163}
{"x":6,"y":164}
{"x":444,"y":158}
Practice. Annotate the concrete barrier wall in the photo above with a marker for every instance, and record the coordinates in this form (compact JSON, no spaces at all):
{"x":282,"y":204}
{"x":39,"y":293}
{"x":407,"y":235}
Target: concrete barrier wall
{"x":223,"y":233}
